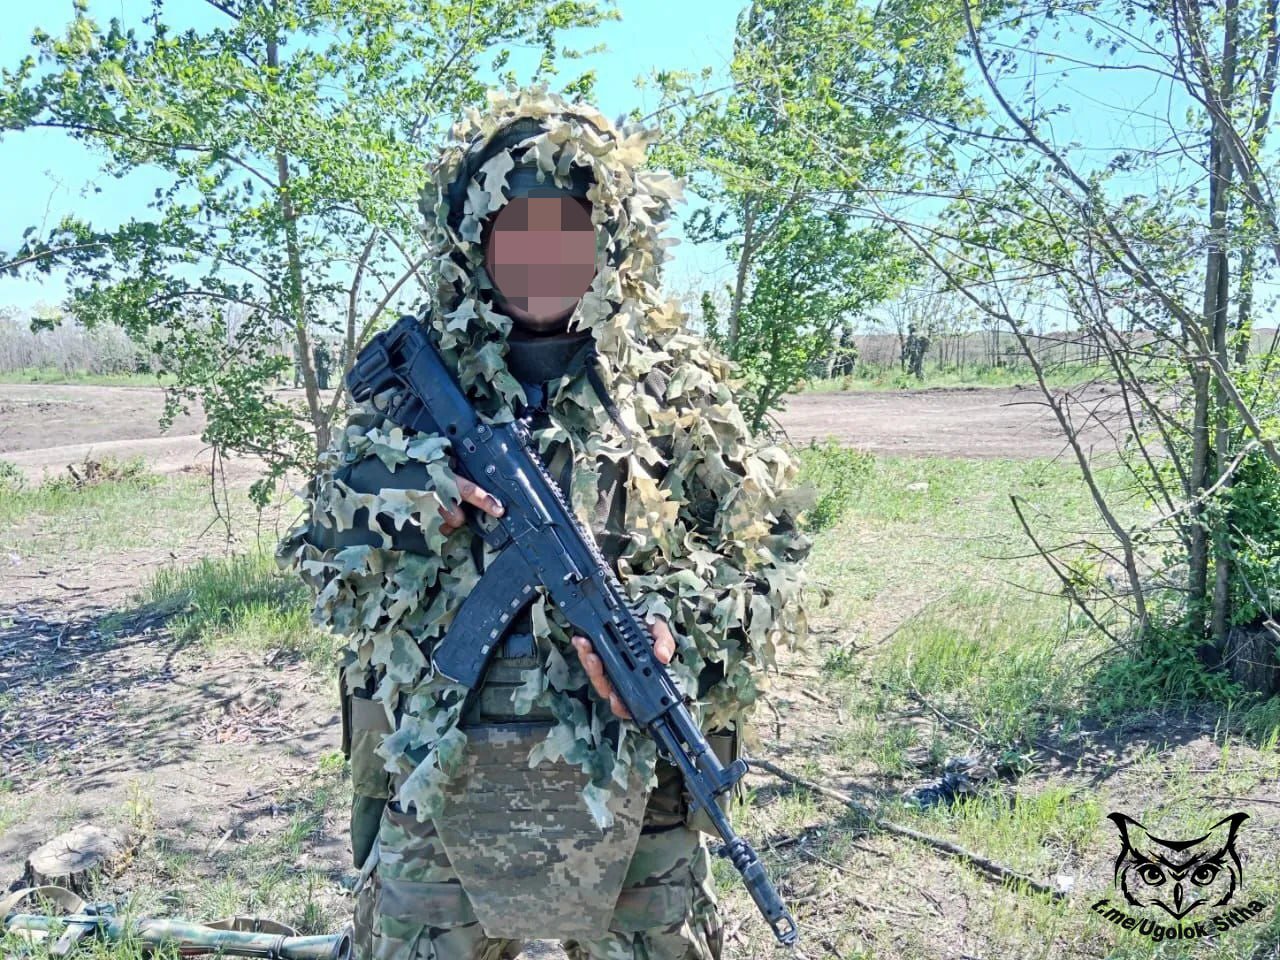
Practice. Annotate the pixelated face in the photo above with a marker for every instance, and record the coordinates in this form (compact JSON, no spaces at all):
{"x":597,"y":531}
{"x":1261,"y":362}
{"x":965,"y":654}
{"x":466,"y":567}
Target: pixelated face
{"x":541,"y":254}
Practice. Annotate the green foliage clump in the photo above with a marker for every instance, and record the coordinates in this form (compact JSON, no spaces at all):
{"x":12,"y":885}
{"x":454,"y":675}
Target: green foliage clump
{"x":239,"y":600}
{"x":1163,"y":670}
{"x":1261,"y":723}
{"x":133,"y":472}
{"x":11,"y":478}
{"x":838,"y":473}
{"x":1251,"y":508}
{"x":90,"y":483}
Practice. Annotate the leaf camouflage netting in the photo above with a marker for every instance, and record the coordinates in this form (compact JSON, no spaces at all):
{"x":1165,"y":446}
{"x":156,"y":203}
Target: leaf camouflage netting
{"x":714,"y":546}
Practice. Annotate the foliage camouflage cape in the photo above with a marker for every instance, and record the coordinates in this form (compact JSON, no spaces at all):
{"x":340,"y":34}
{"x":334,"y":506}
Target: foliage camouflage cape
{"x":711,"y":513}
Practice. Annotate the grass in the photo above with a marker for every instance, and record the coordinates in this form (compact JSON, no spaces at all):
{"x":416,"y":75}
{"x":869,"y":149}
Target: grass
{"x":255,"y":875}
{"x":948,"y":638}
{"x":52,"y":375}
{"x":936,"y":601}
{"x":259,"y":873}
{"x":13,"y":808}
{"x":865,"y":378}
{"x":122,"y":506}
{"x":243,"y":602}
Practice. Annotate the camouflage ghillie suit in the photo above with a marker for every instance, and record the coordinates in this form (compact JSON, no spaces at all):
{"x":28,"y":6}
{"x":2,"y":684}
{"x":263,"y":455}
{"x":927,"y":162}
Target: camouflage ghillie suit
{"x":519,"y":810}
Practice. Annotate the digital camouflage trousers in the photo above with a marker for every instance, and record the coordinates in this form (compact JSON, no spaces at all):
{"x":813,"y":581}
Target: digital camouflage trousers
{"x":413,"y":906}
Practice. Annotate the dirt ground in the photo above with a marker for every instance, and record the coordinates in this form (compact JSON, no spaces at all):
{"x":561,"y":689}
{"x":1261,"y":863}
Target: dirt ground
{"x":45,"y":427}
{"x":99,"y":705}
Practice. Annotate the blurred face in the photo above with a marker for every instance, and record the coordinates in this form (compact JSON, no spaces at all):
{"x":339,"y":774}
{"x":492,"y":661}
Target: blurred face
{"x":541,"y":255}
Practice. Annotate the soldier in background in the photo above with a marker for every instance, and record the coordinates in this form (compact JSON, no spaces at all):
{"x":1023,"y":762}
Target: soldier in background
{"x":323,"y":363}
{"x":913,"y":352}
{"x":845,"y":356}
{"x":533,"y":807}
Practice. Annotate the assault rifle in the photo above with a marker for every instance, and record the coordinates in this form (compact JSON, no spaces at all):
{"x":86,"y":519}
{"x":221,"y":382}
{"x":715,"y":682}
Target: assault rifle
{"x":542,"y":544}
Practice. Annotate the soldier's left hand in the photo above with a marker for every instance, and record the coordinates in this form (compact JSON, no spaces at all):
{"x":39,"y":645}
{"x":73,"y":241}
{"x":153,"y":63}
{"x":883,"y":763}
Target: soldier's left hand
{"x":664,"y":648}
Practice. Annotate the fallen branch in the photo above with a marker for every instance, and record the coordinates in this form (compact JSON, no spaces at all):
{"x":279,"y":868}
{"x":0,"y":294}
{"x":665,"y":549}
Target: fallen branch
{"x":991,"y":868}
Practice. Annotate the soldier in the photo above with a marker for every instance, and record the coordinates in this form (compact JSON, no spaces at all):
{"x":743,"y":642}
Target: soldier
{"x":321,"y":360}
{"x":913,"y":352}
{"x":533,"y":807}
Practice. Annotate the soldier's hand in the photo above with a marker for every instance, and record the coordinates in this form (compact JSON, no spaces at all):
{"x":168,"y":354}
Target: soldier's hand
{"x":474,"y":495}
{"x":664,"y":648}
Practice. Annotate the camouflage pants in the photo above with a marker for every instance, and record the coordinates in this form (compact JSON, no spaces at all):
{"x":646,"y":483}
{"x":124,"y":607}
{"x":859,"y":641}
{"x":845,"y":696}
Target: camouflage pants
{"x":414,"y":908}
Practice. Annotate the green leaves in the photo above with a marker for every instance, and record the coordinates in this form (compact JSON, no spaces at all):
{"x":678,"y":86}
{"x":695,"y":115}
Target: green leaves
{"x":292,"y":139}
{"x":824,"y":95}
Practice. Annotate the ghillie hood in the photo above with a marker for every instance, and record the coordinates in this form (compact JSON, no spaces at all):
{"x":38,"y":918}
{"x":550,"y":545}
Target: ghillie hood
{"x":713,"y":544}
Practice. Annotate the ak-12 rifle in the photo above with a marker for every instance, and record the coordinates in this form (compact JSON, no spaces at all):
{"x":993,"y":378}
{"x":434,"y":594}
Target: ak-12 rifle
{"x":542,"y":544}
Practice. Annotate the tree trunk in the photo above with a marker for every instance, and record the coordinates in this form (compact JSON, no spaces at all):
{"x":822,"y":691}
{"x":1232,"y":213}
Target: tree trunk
{"x":1220,"y":613}
{"x":740,"y":281}
{"x":294,"y":281}
{"x":1198,"y":477}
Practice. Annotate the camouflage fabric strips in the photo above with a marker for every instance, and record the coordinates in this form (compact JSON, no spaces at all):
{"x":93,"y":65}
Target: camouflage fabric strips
{"x":712,"y":510}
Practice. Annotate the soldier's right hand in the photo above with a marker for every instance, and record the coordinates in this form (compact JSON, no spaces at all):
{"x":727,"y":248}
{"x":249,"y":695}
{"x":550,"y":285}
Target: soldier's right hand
{"x":476,"y":496}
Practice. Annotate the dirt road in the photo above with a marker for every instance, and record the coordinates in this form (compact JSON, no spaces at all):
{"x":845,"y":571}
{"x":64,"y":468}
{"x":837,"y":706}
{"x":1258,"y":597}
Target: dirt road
{"x":43,"y":428}
{"x":978,"y":422}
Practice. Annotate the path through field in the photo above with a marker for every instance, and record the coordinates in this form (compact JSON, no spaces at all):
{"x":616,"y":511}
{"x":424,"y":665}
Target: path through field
{"x":45,"y":427}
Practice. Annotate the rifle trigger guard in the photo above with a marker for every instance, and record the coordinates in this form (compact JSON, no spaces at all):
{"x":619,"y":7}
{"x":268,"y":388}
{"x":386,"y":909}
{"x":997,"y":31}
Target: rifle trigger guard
{"x":487,"y":529}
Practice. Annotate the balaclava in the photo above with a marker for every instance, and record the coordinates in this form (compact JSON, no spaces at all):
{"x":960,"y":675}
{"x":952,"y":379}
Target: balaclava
{"x":712,"y":543}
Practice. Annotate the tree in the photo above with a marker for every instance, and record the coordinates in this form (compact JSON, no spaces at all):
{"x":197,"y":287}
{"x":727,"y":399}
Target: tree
{"x":293,"y":137}
{"x":816,"y":275}
{"x":805,"y":261}
{"x":1154,"y":247}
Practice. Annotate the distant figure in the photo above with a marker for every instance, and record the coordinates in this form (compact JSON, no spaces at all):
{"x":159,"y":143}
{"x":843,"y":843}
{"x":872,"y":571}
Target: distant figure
{"x":913,"y":352}
{"x":846,"y":355}
{"x":320,"y":355}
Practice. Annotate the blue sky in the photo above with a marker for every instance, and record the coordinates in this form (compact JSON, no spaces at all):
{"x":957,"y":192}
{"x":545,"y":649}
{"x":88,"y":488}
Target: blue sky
{"x":47,"y":174}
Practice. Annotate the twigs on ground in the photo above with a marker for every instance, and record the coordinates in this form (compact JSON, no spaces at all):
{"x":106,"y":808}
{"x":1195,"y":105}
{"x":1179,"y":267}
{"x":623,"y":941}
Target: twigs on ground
{"x":982,"y":737}
{"x":991,"y":868}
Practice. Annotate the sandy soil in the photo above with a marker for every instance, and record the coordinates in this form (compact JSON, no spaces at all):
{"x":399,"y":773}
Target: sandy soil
{"x":43,"y":428}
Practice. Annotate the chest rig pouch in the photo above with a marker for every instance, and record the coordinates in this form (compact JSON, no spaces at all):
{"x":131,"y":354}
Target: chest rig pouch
{"x":531,"y":860}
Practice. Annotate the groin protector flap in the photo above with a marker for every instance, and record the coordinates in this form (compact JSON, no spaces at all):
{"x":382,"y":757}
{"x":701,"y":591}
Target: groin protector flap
{"x":531,"y":859}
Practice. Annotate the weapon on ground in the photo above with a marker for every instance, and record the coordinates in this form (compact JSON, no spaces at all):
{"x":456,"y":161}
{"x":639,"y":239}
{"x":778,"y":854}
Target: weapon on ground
{"x":100,"y":922}
{"x":541,"y":543}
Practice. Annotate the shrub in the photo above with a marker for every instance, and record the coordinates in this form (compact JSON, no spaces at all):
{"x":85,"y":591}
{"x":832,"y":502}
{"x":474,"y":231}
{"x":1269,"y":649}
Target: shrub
{"x":111,"y":470}
{"x":11,"y":478}
{"x":1164,"y":670}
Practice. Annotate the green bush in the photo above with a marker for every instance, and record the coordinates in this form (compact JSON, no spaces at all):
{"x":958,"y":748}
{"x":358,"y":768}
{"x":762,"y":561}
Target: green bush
{"x":1251,"y":508}
{"x":838,"y":473}
{"x":11,"y":478}
{"x":240,"y":601}
{"x":1164,"y":670}
{"x":1261,"y":723}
